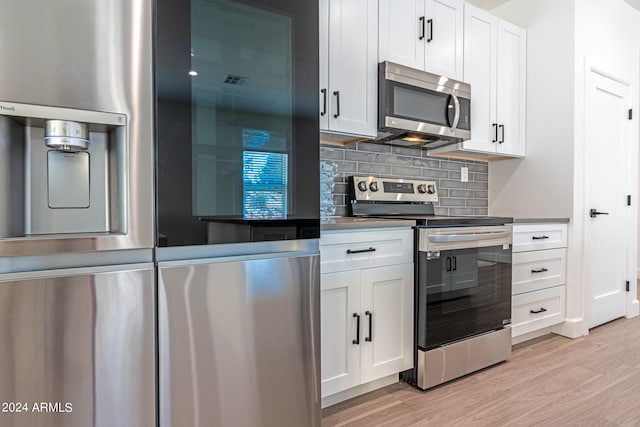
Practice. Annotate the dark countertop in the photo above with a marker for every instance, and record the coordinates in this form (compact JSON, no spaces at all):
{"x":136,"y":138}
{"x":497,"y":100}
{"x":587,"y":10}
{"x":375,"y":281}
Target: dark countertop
{"x":538,"y":220}
{"x":351,"y":223}
{"x":331,"y":223}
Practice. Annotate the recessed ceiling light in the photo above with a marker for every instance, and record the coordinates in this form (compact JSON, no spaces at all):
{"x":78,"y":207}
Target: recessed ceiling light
{"x":193,"y":73}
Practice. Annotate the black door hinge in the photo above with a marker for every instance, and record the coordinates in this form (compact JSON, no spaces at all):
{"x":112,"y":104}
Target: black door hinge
{"x":630,"y":114}
{"x":627,"y":286}
{"x":629,"y":200}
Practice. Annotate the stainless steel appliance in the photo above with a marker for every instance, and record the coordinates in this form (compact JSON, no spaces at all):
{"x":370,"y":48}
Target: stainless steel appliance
{"x":238,"y":212}
{"x":420,"y":109}
{"x":76,"y":220}
{"x":462,"y":279}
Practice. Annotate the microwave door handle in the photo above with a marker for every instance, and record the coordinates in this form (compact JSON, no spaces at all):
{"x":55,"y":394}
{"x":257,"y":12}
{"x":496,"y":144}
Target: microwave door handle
{"x":456,"y":117}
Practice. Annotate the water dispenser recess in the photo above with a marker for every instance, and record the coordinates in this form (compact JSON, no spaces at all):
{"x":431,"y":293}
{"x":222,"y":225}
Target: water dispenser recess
{"x":74,"y":164}
{"x":68,"y":180}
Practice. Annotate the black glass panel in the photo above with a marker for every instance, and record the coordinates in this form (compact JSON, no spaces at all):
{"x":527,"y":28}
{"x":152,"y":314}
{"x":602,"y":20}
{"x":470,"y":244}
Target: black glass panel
{"x":462,"y":293}
{"x":237,"y":123}
{"x":423,"y":105}
{"x":420,"y":104}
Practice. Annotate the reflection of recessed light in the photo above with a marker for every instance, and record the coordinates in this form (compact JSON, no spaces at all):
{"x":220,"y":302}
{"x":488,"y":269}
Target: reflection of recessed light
{"x":193,"y":73}
{"x":414,"y":139}
{"x":192,"y":53}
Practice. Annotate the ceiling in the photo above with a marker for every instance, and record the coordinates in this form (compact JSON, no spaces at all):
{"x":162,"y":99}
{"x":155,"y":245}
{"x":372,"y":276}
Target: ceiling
{"x":492,"y":4}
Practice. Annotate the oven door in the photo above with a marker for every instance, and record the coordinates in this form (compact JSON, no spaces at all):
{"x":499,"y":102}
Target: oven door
{"x":463,"y":291}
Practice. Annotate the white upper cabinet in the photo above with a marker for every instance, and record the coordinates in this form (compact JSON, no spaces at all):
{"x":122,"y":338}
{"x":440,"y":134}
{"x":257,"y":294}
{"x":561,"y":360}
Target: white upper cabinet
{"x":423,"y":34}
{"x":511,"y":86}
{"x":349,"y":66}
{"x":495,"y":67}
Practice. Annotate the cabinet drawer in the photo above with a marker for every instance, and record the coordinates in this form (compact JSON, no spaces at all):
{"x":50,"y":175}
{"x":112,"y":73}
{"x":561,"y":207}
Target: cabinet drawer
{"x":533,"y":237}
{"x":537,"y":310}
{"x":349,"y":250}
{"x":532,"y":271}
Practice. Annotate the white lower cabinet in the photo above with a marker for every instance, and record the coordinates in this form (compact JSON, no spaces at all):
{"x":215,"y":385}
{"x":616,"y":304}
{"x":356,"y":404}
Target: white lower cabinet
{"x":538,"y":278}
{"x":535,"y":310}
{"x":366,"y":316}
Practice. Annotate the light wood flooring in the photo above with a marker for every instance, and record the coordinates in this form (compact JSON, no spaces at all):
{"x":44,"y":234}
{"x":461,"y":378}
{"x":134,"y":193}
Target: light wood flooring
{"x":554,"y":381}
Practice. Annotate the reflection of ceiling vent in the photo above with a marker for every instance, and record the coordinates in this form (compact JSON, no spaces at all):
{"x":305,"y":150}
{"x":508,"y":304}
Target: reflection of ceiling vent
{"x":235,"y":80}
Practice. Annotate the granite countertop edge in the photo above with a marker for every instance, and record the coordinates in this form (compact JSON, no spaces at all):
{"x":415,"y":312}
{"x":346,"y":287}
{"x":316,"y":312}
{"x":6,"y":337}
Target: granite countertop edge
{"x":354,"y":223}
{"x":351,"y":223}
{"x":534,"y":220}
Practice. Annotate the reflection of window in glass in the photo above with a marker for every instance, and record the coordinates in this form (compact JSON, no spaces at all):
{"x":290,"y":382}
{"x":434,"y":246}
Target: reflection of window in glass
{"x":264,"y":177}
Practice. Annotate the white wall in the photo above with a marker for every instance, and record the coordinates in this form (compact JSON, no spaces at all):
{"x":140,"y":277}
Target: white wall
{"x":608,"y":37}
{"x":549,"y":182}
{"x":541,"y":184}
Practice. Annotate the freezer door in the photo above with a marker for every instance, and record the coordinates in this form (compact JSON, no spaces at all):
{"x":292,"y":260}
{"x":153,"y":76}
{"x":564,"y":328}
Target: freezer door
{"x":77,"y":348}
{"x":239,"y":343}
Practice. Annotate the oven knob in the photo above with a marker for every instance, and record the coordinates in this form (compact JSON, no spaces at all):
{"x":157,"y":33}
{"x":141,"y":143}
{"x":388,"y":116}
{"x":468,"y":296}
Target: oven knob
{"x":431,"y":189}
{"x":362,"y":185}
{"x":373,"y":186}
{"x":422,"y":188}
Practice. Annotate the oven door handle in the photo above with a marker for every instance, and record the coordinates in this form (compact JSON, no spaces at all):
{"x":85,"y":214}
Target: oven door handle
{"x":471,"y":237}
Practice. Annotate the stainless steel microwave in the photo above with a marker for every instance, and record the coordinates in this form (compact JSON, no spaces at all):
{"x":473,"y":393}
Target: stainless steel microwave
{"x":421,"y":109}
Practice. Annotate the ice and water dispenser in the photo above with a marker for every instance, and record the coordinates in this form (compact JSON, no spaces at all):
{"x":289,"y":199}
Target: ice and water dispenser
{"x":61,"y":171}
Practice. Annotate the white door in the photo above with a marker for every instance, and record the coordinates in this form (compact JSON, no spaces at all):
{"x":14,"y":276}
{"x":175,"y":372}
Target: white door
{"x":353,"y":66}
{"x":387,"y":308}
{"x":511,"y":87}
{"x":402,"y":37}
{"x":339,"y":311}
{"x":480,"y":61}
{"x":444,"y":43}
{"x":608,"y":133}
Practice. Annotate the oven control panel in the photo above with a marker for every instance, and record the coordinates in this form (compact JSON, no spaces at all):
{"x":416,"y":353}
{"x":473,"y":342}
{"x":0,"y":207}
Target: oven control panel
{"x":374,"y":189}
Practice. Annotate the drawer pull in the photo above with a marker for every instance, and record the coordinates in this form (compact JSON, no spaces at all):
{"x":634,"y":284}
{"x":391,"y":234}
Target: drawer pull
{"x":370,"y":314}
{"x":542,"y":270}
{"x":357,"y":340}
{"x":542,"y":310}
{"x":360,"y":251}
{"x":539,"y":237}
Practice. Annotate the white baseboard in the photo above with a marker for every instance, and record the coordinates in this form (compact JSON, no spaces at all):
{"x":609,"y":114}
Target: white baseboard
{"x":571,"y":328}
{"x":634,"y":309}
{"x":358,"y":390}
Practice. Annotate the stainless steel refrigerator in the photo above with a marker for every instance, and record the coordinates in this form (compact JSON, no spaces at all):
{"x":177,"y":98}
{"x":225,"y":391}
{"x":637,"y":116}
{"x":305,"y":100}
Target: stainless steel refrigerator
{"x":238,"y":212}
{"x":77,"y":296}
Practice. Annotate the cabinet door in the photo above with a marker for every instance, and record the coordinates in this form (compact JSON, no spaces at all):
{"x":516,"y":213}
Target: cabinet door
{"x":324,"y":63}
{"x":353,"y":66}
{"x":340,"y":355}
{"x":444,"y":37}
{"x":402,"y":32}
{"x":511,"y":88}
{"x":387,"y":295}
{"x":480,"y":58}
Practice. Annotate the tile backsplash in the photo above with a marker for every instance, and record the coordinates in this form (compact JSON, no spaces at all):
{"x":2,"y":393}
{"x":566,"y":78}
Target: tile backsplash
{"x":364,"y":158}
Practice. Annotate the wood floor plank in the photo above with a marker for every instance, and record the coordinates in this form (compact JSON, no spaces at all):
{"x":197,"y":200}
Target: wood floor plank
{"x":555,"y":381}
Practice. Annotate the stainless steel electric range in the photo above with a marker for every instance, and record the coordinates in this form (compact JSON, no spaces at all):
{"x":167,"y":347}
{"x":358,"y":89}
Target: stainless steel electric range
{"x":462,"y":279}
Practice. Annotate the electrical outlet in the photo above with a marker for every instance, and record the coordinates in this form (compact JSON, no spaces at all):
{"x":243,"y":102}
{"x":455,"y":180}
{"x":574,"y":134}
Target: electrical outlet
{"x":464,"y":174}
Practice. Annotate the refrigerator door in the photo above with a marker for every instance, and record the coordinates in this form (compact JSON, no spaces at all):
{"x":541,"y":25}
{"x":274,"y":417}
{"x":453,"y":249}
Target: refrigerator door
{"x":77,"y":347}
{"x":239,"y":341}
{"x":237,"y":127}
